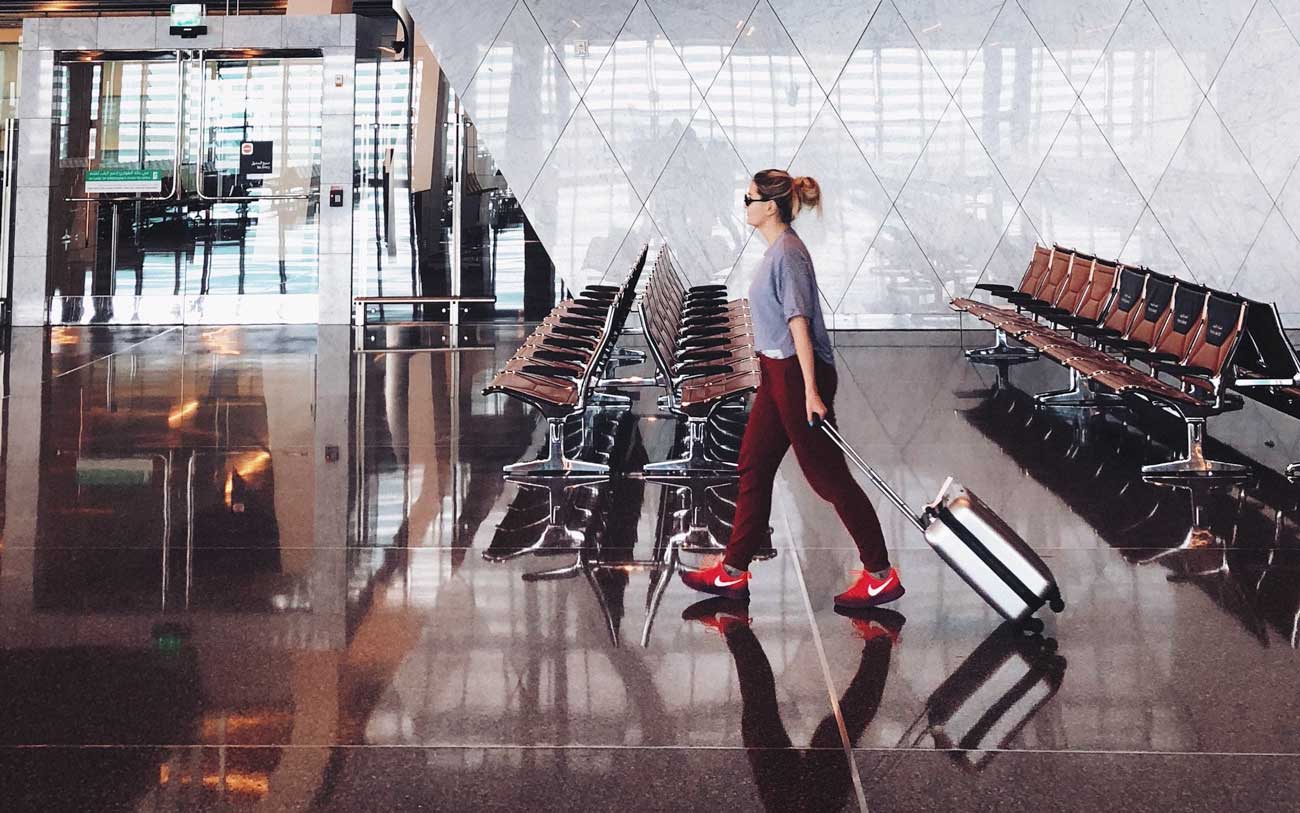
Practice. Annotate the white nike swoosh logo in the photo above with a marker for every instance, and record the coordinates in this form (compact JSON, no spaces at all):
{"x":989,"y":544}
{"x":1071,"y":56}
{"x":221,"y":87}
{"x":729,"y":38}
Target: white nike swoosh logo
{"x":875,"y":591}
{"x":718,"y":582}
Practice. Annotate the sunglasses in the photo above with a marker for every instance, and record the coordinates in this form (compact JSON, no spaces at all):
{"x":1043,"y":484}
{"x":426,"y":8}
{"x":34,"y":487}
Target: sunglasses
{"x":748,"y":200}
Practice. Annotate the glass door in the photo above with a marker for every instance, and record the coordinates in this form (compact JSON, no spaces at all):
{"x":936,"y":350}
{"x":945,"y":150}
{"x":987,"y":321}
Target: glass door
{"x":118,"y":140}
{"x":256,"y":146}
{"x":192,"y":184}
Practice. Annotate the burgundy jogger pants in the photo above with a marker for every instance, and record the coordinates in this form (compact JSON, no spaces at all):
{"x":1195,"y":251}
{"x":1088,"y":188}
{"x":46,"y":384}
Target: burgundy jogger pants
{"x":777,"y":421}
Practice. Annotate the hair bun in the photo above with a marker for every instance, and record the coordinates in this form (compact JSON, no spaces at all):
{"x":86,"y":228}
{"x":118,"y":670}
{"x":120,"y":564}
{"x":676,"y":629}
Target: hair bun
{"x":808,"y":191}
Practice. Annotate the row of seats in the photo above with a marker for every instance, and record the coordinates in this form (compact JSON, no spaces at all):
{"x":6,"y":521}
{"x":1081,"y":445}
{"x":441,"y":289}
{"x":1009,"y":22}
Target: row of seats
{"x":703,"y":348}
{"x":1130,"y":336}
{"x":557,"y":368}
{"x":1241,"y":545}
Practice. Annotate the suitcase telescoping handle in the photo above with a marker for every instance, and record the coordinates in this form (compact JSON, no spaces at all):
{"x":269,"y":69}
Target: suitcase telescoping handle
{"x":876,"y":479}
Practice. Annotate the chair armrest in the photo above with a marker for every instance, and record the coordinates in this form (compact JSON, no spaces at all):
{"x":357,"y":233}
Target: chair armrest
{"x":702,"y":342}
{"x":1184,"y":370}
{"x":1097,"y":332}
{"x":693,"y":356}
{"x":703,"y":369}
{"x":995,"y":288}
{"x":1050,"y":311}
{"x":704,"y":321}
{"x":546,"y":371}
{"x":1116,"y":343}
{"x":1153,"y":356}
{"x":1073,"y":322}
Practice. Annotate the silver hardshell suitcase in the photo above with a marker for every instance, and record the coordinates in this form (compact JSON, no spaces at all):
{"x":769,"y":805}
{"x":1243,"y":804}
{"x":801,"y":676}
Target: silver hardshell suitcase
{"x":978,"y":544}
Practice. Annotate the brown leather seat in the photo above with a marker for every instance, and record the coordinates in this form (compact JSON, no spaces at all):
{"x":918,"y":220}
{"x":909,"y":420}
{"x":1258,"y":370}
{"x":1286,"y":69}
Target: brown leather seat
{"x":540,"y":391}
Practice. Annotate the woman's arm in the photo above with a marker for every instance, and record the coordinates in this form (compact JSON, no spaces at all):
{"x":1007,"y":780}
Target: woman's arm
{"x":803,"y":348}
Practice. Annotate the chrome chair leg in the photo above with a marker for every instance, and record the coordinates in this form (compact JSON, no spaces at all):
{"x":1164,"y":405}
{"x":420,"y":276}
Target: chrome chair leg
{"x":1001,"y":351}
{"x":1077,"y":396}
{"x":556,"y":462}
{"x":1195,"y":464}
{"x":695,"y":459}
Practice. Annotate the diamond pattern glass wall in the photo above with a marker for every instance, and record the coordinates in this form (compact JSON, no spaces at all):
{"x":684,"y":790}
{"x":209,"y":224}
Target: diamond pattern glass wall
{"x":949,"y":137}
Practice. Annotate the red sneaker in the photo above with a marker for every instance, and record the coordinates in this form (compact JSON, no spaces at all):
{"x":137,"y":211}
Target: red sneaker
{"x":718,"y":581}
{"x":871,"y":592}
{"x":720,"y":614}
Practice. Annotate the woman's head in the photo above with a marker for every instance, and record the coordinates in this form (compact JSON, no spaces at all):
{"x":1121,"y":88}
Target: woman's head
{"x":776,"y":195}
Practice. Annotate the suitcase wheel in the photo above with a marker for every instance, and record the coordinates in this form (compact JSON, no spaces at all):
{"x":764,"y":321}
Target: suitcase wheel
{"x":1033,"y":626}
{"x":1055,"y":601}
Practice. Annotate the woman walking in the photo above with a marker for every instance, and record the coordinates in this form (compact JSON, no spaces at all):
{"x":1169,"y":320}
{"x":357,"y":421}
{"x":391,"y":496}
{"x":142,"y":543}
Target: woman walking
{"x":798,"y":383}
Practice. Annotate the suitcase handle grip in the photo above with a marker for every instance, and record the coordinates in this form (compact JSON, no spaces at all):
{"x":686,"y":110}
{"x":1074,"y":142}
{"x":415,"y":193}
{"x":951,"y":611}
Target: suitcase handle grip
{"x":932,"y":508}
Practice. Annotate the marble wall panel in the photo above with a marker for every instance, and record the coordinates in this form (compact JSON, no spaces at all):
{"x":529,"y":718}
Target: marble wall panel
{"x":582,"y":204}
{"x":1155,"y":131}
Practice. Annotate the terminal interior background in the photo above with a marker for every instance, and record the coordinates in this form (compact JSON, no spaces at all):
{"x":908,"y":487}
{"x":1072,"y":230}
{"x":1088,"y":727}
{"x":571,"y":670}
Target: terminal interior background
{"x":258,"y":551}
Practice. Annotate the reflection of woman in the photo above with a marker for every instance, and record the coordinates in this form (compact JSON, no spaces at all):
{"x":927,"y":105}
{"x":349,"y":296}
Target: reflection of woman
{"x":798,"y":385}
{"x":789,"y":779}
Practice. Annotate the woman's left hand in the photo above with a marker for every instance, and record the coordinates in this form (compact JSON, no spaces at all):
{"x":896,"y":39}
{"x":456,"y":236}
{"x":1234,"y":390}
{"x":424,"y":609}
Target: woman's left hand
{"x":815,"y":406}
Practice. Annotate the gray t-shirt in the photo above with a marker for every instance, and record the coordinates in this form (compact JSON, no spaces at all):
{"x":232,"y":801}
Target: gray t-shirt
{"x":784,"y":288}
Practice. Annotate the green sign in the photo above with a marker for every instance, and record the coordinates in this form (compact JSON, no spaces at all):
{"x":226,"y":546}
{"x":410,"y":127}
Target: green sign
{"x":187,"y":15}
{"x":124,"y":181}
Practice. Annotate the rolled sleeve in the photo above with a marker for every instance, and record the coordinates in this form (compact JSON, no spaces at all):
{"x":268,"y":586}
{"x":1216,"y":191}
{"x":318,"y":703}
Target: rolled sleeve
{"x":796,"y":289}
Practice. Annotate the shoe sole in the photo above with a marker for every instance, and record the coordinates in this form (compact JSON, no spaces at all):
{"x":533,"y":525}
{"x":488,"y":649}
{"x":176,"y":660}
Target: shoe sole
{"x":878,"y":601}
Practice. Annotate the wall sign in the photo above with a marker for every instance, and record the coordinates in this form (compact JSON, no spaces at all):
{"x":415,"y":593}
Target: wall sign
{"x":187,"y":20}
{"x":256,"y":158}
{"x":187,"y":14}
{"x":124,"y":181}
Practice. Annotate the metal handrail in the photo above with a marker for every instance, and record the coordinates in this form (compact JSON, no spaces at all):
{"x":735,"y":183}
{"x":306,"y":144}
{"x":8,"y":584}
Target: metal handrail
{"x":422,"y":300}
{"x":359,"y":304}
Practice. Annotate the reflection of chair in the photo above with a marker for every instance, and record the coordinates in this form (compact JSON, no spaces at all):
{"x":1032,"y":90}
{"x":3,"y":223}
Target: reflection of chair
{"x":606,"y":567}
{"x":559,"y":533}
{"x":1223,"y":537}
{"x":706,"y":515}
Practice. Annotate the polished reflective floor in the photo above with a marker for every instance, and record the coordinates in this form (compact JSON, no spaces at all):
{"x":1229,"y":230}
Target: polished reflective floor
{"x":250,"y":568}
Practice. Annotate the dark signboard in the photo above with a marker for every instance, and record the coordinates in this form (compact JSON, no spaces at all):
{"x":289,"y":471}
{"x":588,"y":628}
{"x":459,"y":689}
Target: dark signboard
{"x":255,"y":158}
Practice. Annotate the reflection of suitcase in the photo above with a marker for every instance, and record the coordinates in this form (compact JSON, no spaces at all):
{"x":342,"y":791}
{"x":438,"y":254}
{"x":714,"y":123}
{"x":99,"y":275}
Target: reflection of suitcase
{"x":976,"y":543}
{"x":995,"y":692}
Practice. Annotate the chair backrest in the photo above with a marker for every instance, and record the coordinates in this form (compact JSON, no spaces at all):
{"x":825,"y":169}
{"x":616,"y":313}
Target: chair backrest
{"x":1037,"y":270}
{"x":1125,"y":307}
{"x":1186,"y":318}
{"x":1265,"y":351}
{"x":1057,"y":270}
{"x":1224,"y":318}
{"x":1073,"y":251}
{"x":658,"y":306}
{"x":1151,"y":320}
{"x":612,"y":328}
{"x":1075,"y":283}
{"x":1100,"y":291}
